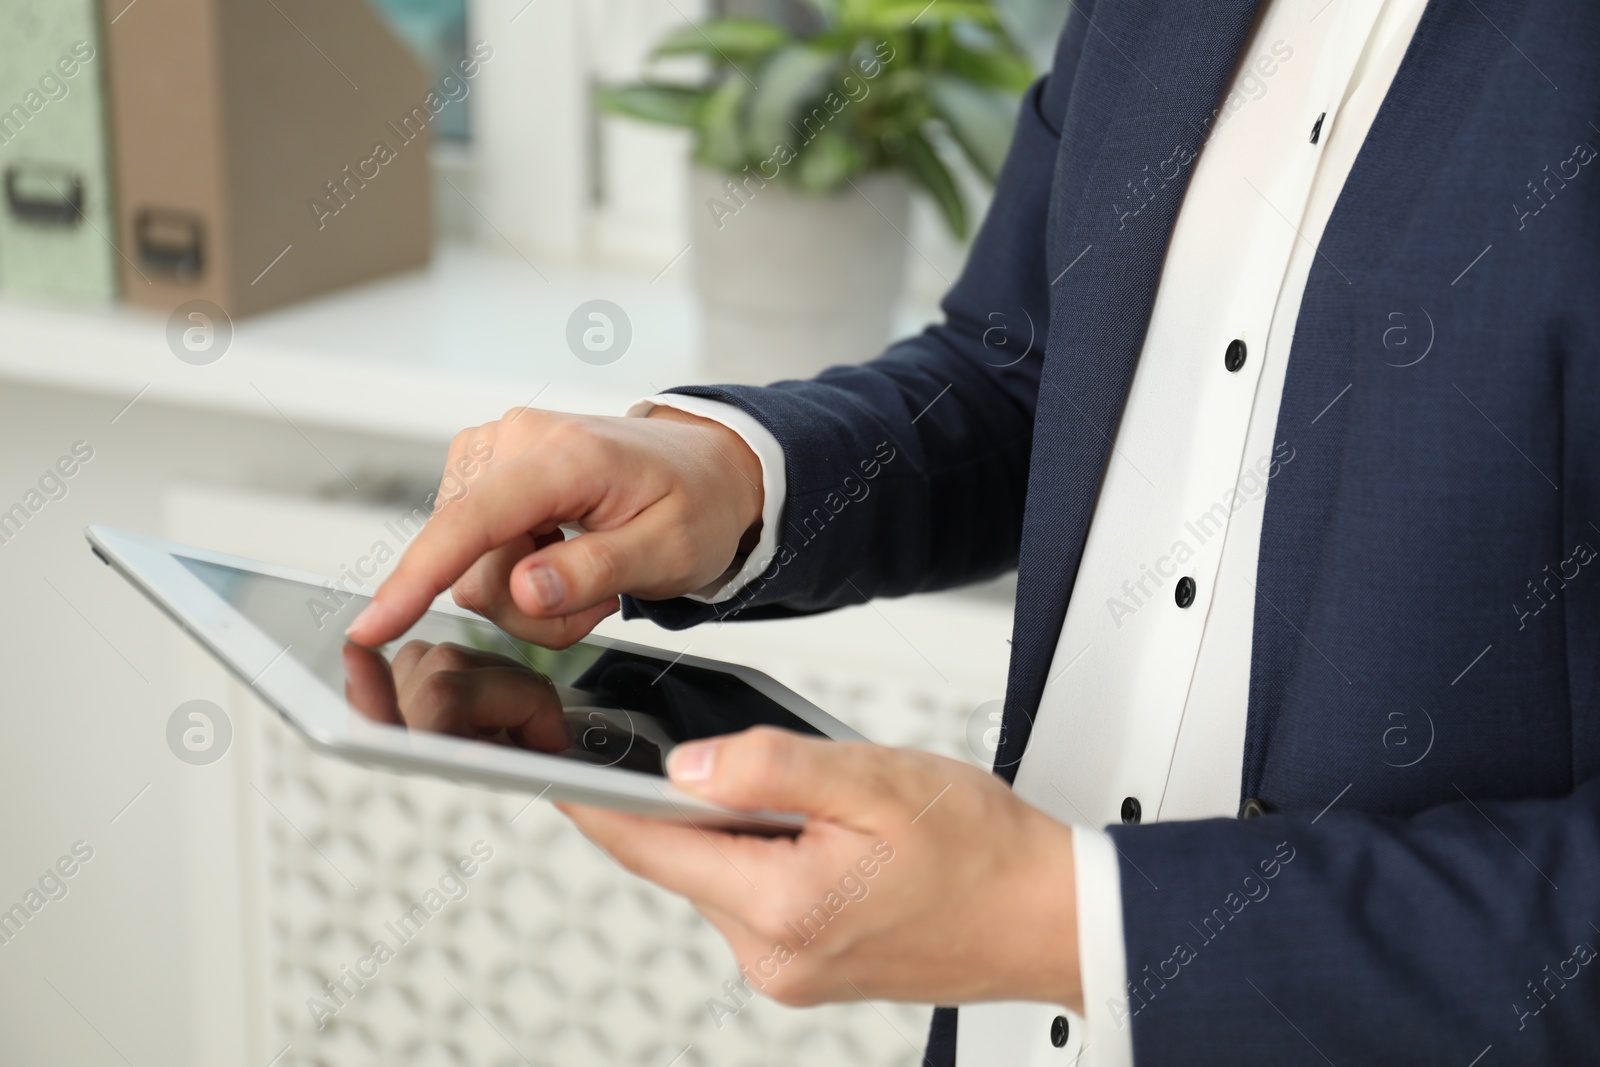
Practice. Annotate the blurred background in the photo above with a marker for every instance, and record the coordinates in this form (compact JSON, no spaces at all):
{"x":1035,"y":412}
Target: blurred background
{"x":259,"y":261}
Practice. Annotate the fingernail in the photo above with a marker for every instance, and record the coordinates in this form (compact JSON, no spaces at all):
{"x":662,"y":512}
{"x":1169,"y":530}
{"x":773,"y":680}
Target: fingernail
{"x":549,"y":589}
{"x":690,"y":763}
{"x":368,"y":613}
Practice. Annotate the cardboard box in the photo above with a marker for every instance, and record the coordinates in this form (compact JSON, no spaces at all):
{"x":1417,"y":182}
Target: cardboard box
{"x":266,"y":150}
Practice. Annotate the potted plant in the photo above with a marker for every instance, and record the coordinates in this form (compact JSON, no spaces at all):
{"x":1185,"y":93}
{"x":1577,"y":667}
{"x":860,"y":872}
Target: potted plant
{"x":807,"y":139}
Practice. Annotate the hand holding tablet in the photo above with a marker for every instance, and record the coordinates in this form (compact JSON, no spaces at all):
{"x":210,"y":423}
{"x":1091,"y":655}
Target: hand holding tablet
{"x":787,"y":835}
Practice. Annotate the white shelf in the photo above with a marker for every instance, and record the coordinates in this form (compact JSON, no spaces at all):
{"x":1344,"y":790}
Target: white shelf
{"x":419,"y":355}
{"x":416,"y":356}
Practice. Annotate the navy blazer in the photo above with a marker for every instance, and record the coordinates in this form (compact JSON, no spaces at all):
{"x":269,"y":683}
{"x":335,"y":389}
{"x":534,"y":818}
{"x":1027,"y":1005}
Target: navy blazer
{"x":1424,"y":719}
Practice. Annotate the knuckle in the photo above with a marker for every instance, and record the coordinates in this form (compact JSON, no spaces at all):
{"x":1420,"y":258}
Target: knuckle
{"x":556,"y":634}
{"x":565,"y":431}
{"x":756,"y":757}
{"x":466,"y":442}
{"x":767,"y":746}
{"x":410,"y":654}
{"x":582,"y":442}
{"x":470,"y":592}
{"x":602,"y":562}
{"x":512,"y":432}
{"x":563,"y":635}
{"x":447,"y":658}
{"x":464,"y":438}
{"x":442,"y":689}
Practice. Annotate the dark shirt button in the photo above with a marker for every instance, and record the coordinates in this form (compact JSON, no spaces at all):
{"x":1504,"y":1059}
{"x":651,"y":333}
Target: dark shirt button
{"x":1059,"y":1029}
{"x":1252,"y":809}
{"x":1184,"y":594}
{"x":1131,"y":810}
{"x":1233,"y":359}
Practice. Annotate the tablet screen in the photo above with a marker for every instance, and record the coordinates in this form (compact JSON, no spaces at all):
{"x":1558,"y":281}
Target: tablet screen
{"x":470,"y":679}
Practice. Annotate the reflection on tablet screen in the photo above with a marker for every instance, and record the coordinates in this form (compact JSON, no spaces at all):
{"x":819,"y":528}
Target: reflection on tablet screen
{"x":468,"y":678}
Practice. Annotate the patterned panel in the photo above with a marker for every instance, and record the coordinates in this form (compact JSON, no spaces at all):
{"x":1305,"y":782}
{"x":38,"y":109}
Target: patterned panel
{"x":552,"y":955}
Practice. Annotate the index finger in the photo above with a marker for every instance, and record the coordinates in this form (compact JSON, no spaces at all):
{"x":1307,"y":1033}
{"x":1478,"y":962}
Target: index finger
{"x":451,"y":541}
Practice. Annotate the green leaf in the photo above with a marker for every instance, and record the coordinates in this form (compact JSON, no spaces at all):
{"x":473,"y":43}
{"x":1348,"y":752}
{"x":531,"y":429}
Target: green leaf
{"x":826,"y":162}
{"x":730,"y":39}
{"x":670,"y":104}
{"x":923,"y":166}
{"x":900,"y":14}
{"x":791,"y":82}
{"x":1000,"y":67}
{"x":981,"y":121}
{"x":721,"y":144}
{"x":956,"y":68}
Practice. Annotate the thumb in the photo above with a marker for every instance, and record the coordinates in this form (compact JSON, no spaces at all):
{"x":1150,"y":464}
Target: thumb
{"x":765,"y":768}
{"x":593,"y":568}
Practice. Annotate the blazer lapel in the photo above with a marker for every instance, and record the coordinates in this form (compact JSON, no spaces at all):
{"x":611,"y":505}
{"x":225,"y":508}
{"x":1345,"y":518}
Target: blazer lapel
{"x":1149,"y":79}
{"x":1409,"y":140}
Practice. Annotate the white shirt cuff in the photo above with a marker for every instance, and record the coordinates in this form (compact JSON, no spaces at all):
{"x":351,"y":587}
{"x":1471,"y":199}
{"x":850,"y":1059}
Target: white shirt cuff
{"x":742,"y":572}
{"x":1102,"y":961}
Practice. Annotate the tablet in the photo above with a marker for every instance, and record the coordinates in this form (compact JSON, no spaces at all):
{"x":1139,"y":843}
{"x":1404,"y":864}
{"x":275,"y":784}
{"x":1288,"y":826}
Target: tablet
{"x":459,"y":698}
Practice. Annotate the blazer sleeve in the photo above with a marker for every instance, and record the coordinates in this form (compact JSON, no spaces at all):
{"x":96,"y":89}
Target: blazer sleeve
{"x":909,"y":473}
{"x":1351,"y":938}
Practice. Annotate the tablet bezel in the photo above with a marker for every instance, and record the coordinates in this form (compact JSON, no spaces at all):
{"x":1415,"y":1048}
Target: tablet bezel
{"x":323,"y":717}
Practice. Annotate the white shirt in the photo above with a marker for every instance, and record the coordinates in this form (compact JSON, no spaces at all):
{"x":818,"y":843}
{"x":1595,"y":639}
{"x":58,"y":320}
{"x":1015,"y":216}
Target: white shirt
{"x":1146,"y":699}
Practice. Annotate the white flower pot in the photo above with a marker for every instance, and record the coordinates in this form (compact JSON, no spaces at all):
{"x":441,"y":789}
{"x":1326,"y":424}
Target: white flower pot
{"x":791,"y":283}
